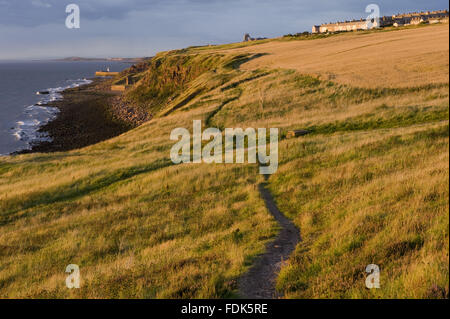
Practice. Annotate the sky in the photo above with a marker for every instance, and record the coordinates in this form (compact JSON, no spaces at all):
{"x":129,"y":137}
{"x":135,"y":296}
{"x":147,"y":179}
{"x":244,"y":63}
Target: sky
{"x":36,"y":29}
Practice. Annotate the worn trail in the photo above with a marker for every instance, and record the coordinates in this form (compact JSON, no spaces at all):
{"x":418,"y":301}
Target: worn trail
{"x":259,"y":282}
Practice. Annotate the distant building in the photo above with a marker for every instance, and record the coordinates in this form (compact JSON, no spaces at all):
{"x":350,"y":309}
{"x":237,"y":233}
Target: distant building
{"x":247,"y":37}
{"x":395,"y":20}
{"x":316,"y":29}
{"x":420,"y":17}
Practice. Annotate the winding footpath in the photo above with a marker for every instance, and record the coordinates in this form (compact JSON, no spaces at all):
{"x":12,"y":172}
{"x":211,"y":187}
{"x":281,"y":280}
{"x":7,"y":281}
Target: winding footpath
{"x":259,"y":282}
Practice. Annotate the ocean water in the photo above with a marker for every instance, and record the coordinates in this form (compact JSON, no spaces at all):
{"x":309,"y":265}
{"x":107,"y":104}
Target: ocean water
{"x":22,"y":111}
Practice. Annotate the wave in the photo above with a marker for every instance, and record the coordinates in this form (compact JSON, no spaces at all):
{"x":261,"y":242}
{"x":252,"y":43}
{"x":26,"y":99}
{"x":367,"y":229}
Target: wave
{"x":37,"y":115}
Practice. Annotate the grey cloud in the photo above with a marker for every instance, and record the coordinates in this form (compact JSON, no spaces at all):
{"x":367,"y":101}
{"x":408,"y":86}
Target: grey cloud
{"x":138,"y":27}
{"x":40,"y":12}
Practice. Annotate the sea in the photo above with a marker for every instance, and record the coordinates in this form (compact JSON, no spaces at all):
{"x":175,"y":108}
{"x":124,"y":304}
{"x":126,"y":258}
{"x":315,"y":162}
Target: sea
{"x":23,"y":111}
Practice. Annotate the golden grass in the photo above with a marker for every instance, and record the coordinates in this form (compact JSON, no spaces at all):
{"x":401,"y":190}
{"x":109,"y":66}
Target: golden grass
{"x":138,"y":226}
{"x":364,"y":198}
{"x":385,"y":59}
{"x":369,"y":185}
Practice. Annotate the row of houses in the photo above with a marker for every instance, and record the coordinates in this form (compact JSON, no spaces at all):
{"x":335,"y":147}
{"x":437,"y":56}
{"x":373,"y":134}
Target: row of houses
{"x":395,"y":20}
{"x":420,"y":17}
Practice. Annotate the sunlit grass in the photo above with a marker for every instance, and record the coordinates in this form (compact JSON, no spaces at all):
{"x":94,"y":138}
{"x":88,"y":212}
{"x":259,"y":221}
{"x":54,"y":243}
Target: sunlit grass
{"x":368,"y":185}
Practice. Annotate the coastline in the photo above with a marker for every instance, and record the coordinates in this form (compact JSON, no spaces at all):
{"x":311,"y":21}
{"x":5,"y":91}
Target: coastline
{"x":88,"y":114}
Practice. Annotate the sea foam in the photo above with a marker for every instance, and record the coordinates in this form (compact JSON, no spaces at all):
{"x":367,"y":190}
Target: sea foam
{"x":37,"y":115}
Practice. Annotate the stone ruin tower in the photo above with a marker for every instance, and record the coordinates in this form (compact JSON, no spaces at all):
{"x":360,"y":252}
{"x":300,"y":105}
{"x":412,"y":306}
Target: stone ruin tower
{"x":247,"y":37}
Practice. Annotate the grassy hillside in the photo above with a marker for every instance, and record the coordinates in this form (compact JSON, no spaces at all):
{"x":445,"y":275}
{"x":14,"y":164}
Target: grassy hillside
{"x":368,"y":197}
{"x":369,"y":185}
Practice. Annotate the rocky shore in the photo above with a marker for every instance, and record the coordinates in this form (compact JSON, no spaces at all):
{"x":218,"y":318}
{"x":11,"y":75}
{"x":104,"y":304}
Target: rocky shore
{"x":88,"y":114}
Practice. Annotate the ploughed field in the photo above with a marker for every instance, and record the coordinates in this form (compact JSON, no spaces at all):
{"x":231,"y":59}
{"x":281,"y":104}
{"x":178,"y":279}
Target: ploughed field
{"x":369,"y":185}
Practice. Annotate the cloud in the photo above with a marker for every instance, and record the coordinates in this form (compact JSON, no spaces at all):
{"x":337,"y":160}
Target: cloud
{"x":38,"y":3}
{"x":40,"y":12}
{"x":143,"y":27}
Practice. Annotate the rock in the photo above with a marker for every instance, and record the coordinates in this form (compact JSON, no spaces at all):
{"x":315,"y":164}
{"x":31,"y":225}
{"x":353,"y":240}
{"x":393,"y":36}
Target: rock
{"x":296,"y":133}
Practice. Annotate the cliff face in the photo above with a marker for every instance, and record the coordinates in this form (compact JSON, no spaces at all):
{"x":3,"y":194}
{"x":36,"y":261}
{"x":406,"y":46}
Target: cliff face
{"x":167,"y":76}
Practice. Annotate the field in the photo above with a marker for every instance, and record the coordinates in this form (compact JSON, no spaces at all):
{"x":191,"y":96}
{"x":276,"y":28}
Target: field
{"x":402,"y":58}
{"x":368,"y":185}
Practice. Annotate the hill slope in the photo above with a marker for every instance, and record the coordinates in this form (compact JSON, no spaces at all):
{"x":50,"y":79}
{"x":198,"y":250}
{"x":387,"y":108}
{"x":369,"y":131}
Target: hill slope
{"x":405,"y":57}
{"x":369,"y":185}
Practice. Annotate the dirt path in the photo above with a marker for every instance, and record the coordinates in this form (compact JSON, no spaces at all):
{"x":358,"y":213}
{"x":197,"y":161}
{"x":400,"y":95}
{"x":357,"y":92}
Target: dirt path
{"x":259,"y":282}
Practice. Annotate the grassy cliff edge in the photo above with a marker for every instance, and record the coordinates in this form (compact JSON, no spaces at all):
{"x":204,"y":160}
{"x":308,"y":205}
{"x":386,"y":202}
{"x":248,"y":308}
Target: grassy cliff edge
{"x":369,"y":185}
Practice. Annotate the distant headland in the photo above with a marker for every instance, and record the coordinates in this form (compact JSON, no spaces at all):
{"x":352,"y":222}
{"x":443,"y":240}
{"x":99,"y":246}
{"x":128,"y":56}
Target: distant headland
{"x":75,"y":58}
